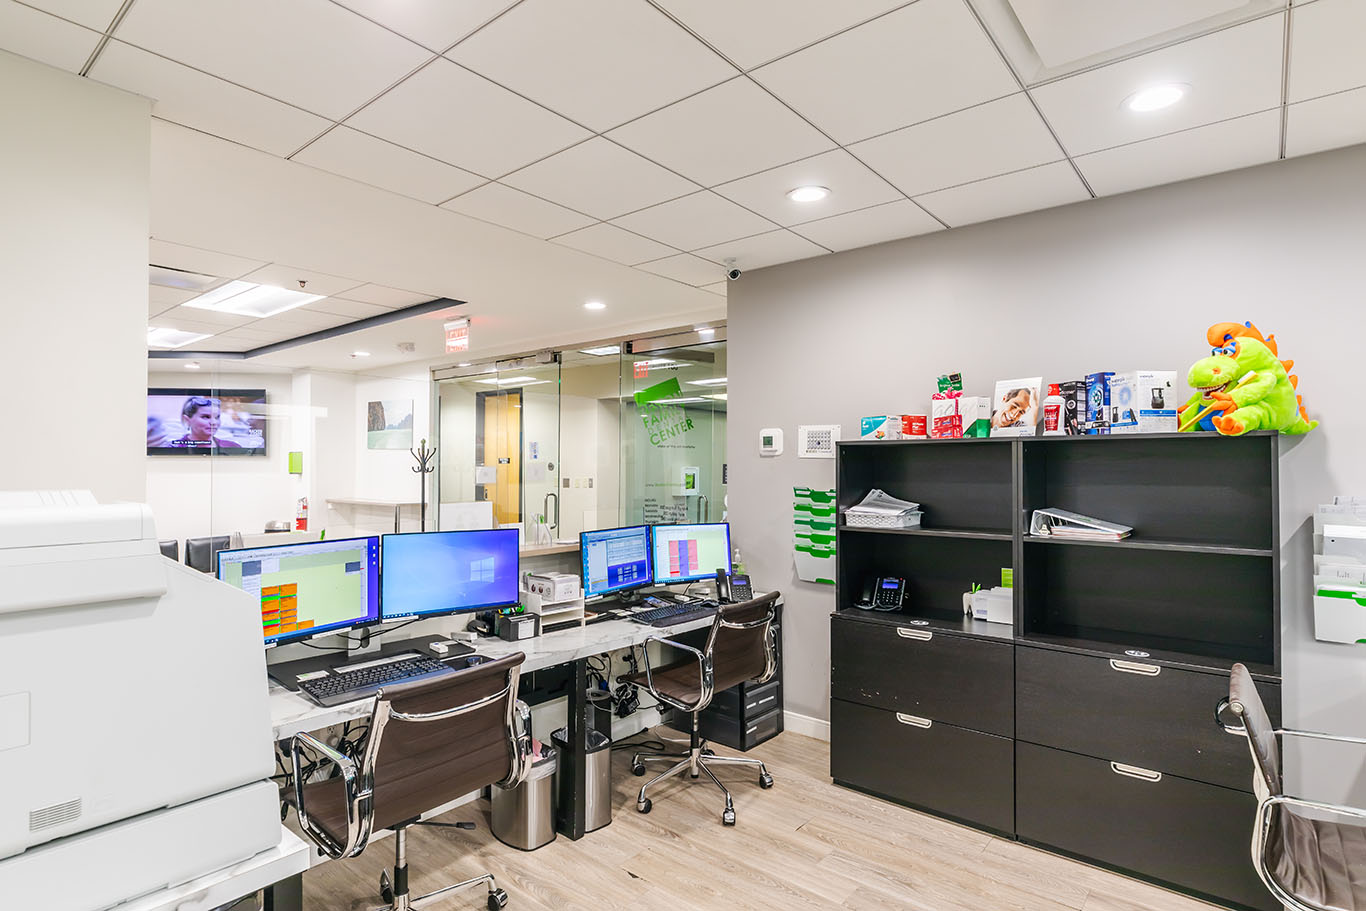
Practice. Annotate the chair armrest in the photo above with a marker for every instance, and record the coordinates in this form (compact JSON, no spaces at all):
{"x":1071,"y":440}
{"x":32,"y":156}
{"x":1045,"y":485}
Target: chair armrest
{"x":357,"y":796}
{"x":704,"y":670}
{"x":519,"y":734}
{"x":1317,"y":735}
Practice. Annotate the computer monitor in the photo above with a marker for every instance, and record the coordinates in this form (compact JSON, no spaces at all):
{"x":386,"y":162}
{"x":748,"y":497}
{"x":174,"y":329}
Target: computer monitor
{"x":690,"y":553}
{"x":308,"y":588}
{"x":426,"y":574}
{"x":615,"y":559}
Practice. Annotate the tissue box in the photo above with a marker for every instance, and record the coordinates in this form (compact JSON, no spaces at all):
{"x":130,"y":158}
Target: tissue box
{"x":1143,"y":401}
{"x":996,"y":605}
{"x":965,"y":416}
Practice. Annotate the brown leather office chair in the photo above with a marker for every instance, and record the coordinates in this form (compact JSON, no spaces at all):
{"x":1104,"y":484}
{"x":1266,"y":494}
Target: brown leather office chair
{"x":429,"y":742}
{"x":1308,"y":862}
{"x":739,"y":648}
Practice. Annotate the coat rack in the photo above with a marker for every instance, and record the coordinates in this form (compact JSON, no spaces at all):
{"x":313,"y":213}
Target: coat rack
{"x":424,"y":467}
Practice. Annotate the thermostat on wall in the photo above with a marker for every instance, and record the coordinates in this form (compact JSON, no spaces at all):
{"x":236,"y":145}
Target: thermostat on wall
{"x":771,"y":441}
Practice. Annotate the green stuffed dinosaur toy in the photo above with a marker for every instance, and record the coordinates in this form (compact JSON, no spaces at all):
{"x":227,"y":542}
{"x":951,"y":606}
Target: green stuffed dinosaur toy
{"x":1243,"y":385}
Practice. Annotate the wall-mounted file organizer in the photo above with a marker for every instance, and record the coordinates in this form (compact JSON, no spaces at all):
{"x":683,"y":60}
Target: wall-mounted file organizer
{"x":813,"y":534}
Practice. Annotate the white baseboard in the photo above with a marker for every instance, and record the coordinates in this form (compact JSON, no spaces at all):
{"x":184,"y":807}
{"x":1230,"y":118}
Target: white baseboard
{"x":805,"y":724}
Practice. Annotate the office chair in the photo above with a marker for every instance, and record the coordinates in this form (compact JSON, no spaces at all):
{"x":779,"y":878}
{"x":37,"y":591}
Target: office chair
{"x":739,"y":648}
{"x":1306,"y":861}
{"x":429,"y":742}
{"x":202,"y":553}
{"x":170,"y":549}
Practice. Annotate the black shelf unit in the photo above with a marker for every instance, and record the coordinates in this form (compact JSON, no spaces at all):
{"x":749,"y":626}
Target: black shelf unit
{"x":1088,"y":725}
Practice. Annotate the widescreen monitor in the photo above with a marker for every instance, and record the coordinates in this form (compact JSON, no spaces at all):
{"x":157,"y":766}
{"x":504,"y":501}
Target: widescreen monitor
{"x":690,"y":553}
{"x":309,"y":587}
{"x":187,"y":422}
{"x":425,"y":574}
{"x":615,"y":559}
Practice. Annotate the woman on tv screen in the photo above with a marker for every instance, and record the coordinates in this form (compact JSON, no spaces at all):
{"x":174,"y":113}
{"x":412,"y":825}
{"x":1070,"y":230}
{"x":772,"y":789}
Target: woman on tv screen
{"x":202,"y":416}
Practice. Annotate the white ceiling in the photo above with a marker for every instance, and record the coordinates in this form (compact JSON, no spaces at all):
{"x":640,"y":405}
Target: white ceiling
{"x":664,"y":134}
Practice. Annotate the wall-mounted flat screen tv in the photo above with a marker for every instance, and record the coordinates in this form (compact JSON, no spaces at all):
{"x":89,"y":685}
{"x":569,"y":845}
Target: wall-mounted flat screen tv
{"x":189,"y":422}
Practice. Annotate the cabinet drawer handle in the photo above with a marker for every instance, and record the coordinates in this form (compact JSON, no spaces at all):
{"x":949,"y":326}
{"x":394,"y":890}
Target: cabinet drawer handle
{"x":1133,"y":667}
{"x":914,"y":721}
{"x":923,"y":635}
{"x":1133,"y":771}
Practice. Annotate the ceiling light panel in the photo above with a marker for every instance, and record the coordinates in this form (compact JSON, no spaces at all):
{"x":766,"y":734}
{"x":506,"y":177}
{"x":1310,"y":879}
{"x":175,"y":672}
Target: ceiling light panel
{"x":166,"y":337}
{"x":1010,"y":194}
{"x":206,"y":103}
{"x":249,"y":299}
{"x":602,"y":179}
{"x":45,"y":38}
{"x":502,"y":205}
{"x":461,"y":118}
{"x":1231,"y":73}
{"x":1325,"y":48}
{"x":602,"y":350}
{"x":372,"y":161}
{"x":926,"y":59}
{"x":311,"y":53}
{"x":890,"y":221}
{"x":852,"y":184}
{"x":1065,"y":31}
{"x":699,"y":220}
{"x":712,"y":381}
{"x":640,"y":62}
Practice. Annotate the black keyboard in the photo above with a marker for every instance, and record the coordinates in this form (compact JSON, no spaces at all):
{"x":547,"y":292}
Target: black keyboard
{"x":341,"y":685}
{"x":671,"y":614}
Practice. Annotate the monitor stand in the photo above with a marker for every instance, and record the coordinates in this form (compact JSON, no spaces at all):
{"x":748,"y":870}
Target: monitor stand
{"x":287,"y":673}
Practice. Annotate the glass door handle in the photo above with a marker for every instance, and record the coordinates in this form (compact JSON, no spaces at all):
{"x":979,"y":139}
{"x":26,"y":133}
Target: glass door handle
{"x":703,"y":508}
{"x":545,"y":509}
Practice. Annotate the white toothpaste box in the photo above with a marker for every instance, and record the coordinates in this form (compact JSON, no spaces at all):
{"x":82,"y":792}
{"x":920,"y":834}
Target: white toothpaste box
{"x":1143,"y":401}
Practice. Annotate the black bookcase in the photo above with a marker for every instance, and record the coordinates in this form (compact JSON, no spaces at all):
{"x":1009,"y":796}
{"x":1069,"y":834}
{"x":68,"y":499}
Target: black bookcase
{"x":1088,"y":726}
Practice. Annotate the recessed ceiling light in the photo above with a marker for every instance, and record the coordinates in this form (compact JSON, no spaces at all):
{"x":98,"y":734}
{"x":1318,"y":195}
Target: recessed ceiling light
{"x":1156,"y":97}
{"x":718,"y":396}
{"x":161,"y":337}
{"x":601,"y":350}
{"x":513,"y":381}
{"x":465,"y":364}
{"x":808,"y":194}
{"x":250,"y":299}
{"x":360,"y":353}
{"x":706,"y":332}
{"x":714,"y":381}
{"x":595,"y":305}
{"x":192,"y":365}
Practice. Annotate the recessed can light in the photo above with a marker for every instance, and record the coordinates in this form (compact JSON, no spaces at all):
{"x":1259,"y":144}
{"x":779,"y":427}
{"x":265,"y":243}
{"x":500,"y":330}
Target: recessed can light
{"x":595,"y":305}
{"x":360,"y":353}
{"x":1156,"y":97}
{"x":808,"y":194}
{"x":192,"y":365}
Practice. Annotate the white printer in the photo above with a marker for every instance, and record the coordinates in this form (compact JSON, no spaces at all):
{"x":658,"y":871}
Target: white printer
{"x":135,"y":738}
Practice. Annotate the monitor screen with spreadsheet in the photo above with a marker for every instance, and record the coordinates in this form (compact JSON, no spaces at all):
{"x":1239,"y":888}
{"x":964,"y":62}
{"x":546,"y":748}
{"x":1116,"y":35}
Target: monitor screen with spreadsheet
{"x":448,"y":572}
{"x":309,"y":587}
{"x":689,"y":553}
{"x":615,"y":559}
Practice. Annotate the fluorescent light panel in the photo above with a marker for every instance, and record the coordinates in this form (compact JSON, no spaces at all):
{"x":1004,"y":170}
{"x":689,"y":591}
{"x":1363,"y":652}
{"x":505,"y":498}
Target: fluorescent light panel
{"x":250,"y":299}
{"x":601,"y":350}
{"x":718,"y":396}
{"x":164,"y":337}
{"x":681,"y":400}
{"x":512,"y":381}
{"x":714,"y":381}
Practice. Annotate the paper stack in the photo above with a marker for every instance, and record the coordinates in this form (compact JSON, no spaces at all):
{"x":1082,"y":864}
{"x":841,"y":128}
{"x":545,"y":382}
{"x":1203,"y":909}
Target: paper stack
{"x":1059,"y":523}
{"x":882,"y":510}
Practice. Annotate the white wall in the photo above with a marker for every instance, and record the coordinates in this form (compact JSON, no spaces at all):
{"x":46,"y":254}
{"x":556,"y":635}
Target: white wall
{"x":1126,"y":282}
{"x":73,"y":253}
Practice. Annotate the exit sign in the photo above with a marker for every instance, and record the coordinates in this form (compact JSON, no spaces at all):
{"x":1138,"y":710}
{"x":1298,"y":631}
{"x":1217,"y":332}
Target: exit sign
{"x":457,"y":336}
{"x":642,"y":369}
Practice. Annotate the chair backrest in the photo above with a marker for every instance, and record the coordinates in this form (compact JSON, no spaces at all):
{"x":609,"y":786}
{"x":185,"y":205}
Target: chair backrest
{"x":740,"y":643}
{"x":170,"y":549}
{"x":435,"y":740}
{"x":202,"y":553}
{"x":1246,"y":703}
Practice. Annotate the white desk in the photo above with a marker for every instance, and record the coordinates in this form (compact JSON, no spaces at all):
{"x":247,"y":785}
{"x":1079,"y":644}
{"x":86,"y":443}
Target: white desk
{"x":287,"y":859}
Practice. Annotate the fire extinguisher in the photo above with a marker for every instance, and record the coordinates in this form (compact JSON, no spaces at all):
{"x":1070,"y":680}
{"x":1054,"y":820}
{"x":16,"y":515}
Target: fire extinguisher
{"x":301,"y":515}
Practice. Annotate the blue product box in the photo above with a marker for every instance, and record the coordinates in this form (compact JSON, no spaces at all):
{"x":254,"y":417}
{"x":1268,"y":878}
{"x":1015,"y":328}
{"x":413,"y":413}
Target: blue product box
{"x":1098,"y":415}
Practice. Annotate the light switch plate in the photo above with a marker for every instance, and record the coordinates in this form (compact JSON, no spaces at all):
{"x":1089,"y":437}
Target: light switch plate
{"x":817,"y":441}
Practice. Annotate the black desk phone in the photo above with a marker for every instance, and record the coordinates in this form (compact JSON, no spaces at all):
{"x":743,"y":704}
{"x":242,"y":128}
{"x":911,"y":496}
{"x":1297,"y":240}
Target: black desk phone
{"x":886,"y":593}
{"x":732,"y":588}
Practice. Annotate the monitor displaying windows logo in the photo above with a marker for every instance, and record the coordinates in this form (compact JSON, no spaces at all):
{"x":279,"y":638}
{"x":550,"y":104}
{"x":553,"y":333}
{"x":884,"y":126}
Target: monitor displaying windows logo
{"x":481,"y":570}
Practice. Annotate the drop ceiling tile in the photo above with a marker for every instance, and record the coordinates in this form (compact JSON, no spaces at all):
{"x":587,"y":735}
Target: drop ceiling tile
{"x":600,"y":178}
{"x":299,"y":321}
{"x":762,"y":250}
{"x":392,"y":298}
{"x":225,"y":341}
{"x":686,"y":268}
{"x":1326,"y":123}
{"x":1230,"y":73}
{"x":699,"y":220}
{"x":47,"y":39}
{"x":193,"y":259}
{"x":282,"y":276}
{"x":255,"y":332}
{"x":889,"y":221}
{"x":598,"y":62}
{"x":723,"y":133}
{"x":310,"y":53}
{"x":204,"y":103}
{"x":851,"y":184}
{"x":1218,"y":147}
{"x":93,"y":14}
{"x":347,"y":308}
{"x":924,"y":60}
{"x":1325,"y":48}
{"x":757,"y":31}
{"x":191,"y":315}
{"x":721,"y":288}
{"x":1010,"y":194}
{"x":459,"y":117}
{"x":611,"y":242}
{"x":519,"y":211}
{"x":362,"y":157}
{"x":160,"y":299}
{"x":990,"y":139}
{"x":434,"y":24}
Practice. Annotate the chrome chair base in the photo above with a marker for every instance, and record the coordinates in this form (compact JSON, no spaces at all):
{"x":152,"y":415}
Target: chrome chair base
{"x":695,"y":762}
{"x":402,"y":901}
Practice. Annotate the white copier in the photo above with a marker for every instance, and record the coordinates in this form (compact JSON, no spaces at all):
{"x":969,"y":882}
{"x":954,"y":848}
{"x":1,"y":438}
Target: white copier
{"x":135,"y":738}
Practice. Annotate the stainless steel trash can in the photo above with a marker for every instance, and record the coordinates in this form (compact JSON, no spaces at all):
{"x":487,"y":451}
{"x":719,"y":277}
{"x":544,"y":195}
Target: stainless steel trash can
{"x":524,"y":816}
{"x":598,"y":793}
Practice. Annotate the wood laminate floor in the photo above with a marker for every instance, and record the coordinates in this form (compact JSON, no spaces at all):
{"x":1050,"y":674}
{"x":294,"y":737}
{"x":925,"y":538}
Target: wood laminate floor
{"x":805,"y":844}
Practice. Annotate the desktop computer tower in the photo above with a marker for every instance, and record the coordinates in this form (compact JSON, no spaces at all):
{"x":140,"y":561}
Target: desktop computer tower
{"x":743,"y":716}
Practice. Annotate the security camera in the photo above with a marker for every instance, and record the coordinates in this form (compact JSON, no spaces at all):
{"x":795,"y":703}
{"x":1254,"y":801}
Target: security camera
{"x":732,"y":273}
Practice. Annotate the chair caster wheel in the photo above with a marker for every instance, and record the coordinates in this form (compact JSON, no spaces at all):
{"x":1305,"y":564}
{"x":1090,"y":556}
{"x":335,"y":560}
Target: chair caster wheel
{"x":708,"y":752}
{"x":728,"y":816}
{"x":497,"y":899}
{"x":386,"y":891}
{"x":765,"y":781}
{"x":638,"y":769}
{"x":644,"y":806}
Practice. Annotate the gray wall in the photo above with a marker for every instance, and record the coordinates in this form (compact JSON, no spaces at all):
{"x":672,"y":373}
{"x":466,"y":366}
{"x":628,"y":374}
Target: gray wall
{"x":1129,"y":282}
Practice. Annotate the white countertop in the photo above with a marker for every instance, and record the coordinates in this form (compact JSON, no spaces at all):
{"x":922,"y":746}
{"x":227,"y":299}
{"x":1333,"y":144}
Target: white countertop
{"x":284,"y":860}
